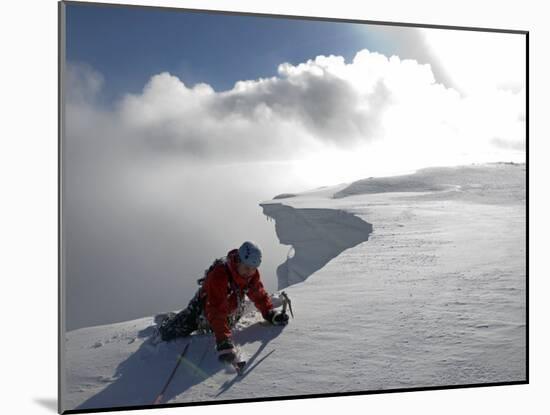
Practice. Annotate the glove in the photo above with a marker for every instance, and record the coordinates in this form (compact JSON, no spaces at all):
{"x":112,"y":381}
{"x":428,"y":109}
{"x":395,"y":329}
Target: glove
{"x":226,"y":351}
{"x":277,"y":318}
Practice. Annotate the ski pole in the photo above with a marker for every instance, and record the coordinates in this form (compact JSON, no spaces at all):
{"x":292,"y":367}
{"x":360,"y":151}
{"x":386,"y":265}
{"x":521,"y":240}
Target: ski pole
{"x":180,"y":358}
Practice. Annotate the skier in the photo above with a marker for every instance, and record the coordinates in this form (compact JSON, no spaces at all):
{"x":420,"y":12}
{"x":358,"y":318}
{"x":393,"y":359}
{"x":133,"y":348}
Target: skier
{"x":220,"y":298}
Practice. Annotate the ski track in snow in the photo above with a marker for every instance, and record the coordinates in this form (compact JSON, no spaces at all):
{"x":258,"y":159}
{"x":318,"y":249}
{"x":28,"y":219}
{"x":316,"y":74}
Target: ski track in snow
{"x":435,"y":296}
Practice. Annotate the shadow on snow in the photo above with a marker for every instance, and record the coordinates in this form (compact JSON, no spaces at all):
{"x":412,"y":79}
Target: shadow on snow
{"x":140,"y":378}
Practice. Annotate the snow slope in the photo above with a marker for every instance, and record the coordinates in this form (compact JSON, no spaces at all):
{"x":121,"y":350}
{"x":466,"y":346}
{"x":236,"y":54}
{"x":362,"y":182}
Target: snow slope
{"x":397,"y":289}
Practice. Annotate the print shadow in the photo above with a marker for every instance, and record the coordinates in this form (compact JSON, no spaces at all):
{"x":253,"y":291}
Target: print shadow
{"x":140,"y":378}
{"x":48,"y":403}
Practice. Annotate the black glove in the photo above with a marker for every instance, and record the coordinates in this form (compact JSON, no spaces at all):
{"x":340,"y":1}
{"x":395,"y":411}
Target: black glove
{"x":226,"y":351}
{"x":277,"y":318}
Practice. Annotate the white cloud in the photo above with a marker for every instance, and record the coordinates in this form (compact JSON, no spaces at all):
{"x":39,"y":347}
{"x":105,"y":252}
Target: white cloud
{"x":82,"y":82}
{"x":373,"y":115}
{"x":325,"y":104}
{"x":479,"y":61}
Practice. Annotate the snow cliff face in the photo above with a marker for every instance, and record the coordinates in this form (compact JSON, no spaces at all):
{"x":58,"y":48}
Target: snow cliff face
{"x":316,"y":236}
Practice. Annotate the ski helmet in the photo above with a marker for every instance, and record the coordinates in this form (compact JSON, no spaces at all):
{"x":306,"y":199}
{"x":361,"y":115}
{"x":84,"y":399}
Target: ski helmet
{"x":250,"y":254}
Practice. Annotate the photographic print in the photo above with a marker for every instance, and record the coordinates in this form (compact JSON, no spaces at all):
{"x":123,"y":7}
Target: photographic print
{"x":263,"y":206}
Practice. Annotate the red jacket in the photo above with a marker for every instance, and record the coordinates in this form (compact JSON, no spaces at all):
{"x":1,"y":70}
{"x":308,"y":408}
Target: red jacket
{"x":221,"y":295}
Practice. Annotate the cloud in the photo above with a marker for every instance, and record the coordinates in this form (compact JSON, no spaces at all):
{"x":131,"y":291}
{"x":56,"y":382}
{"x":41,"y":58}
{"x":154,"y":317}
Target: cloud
{"x":467,"y":61}
{"x":322,"y":104}
{"x":317,"y":96}
{"x":410,"y":43}
{"x":479,"y":61}
{"x":82,"y":83}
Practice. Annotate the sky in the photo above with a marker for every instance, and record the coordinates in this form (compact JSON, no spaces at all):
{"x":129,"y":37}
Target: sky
{"x":130,"y":45}
{"x":178,"y":124}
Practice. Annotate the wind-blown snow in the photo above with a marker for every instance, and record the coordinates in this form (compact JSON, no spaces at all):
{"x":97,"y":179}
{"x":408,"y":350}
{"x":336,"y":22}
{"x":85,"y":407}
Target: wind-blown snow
{"x":435,"y":296}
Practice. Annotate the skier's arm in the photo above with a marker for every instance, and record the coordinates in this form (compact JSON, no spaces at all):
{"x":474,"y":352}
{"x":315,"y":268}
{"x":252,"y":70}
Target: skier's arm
{"x":216,"y":307}
{"x":259,"y":296}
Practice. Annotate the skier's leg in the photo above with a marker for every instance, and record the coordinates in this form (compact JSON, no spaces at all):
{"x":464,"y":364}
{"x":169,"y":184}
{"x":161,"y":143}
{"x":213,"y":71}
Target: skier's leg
{"x":183,"y":323}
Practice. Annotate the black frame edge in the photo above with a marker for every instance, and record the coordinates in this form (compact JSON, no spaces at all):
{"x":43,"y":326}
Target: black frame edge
{"x":293,"y":397}
{"x":297,"y":17}
{"x":527,"y":162}
{"x":60,"y":119}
